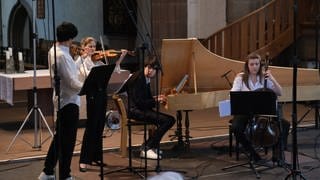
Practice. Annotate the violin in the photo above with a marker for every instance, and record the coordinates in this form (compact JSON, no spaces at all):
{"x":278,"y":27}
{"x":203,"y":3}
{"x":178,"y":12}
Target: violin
{"x":99,"y":55}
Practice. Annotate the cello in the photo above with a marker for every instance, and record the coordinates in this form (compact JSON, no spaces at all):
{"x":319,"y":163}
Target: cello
{"x":263,"y":131}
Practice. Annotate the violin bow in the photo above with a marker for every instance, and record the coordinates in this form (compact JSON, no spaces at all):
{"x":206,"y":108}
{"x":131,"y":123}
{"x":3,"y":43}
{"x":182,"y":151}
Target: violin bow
{"x":102,"y":46}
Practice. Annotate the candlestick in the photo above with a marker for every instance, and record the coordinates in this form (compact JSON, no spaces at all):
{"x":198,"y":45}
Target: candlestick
{"x":7,"y":55}
{"x":20,"y":57}
{"x":10,"y":51}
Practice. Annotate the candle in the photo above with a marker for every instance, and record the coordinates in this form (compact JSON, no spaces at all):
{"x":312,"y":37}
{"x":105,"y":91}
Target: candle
{"x":20,"y":56}
{"x":7,"y":55}
{"x":10,"y":51}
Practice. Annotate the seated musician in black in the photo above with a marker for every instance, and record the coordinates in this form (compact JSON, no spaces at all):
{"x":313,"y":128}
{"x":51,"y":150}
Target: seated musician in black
{"x":252,"y":78}
{"x":141,"y":106}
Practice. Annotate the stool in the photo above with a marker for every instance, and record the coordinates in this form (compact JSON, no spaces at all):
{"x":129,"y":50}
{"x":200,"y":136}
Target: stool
{"x":230,"y":142}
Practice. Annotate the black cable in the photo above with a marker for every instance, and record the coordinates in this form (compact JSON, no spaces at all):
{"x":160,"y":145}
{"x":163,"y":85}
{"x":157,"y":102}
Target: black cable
{"x":133,"y":20}
{"x":153,"y":50}
{"x":48,"y":20}
{"x":16,"y":167}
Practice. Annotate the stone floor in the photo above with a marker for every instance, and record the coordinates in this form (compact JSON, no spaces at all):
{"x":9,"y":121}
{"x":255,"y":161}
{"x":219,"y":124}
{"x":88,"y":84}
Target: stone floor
{"x":207,"y":156}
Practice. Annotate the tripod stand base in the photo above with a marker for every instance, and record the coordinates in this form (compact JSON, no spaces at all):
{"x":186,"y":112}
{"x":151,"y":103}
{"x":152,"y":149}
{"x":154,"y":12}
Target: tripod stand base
{"x":140,"y":171}
{"x":295,"y":174}
{"x":251,"y":165}
{"x":37,"y":140}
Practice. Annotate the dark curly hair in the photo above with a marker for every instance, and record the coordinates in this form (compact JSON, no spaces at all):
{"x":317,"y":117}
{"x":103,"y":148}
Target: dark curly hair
{"x":66,"y":31}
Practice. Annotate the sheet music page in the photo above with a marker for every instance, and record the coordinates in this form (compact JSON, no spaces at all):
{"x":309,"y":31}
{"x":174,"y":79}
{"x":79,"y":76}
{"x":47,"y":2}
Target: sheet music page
{"x":182,"y":83}
{"x":224,"y":108}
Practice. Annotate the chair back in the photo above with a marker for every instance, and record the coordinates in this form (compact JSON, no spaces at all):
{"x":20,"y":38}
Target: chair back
{"x":124,"y":123}
{"x":121,"y":107}
{"x":123,"y":130}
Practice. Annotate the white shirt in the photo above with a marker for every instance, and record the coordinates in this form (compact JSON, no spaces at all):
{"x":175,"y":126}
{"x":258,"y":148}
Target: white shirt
{"x":68,"y":73}
{"x":239,"y":85}
{"x":85,"y":65}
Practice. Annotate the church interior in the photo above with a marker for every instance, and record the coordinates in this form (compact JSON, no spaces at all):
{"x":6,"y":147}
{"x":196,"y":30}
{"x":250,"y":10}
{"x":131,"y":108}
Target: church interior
{"x":199,"y":47}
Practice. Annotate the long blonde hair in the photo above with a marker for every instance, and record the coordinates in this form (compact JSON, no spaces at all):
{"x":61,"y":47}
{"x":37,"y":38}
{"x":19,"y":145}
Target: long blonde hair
{"x":87,"y":40}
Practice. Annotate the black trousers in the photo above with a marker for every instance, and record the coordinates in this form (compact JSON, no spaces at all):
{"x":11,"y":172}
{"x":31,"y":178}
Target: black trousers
{"x":163,"y":121}
{"x":239,"y":125}
{"x":63,"y":142}
{"x":91,"y":149}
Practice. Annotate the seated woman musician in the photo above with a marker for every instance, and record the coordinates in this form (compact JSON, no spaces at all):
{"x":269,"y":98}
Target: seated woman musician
{"x":91,"y":150}
{"x":252,"y":78}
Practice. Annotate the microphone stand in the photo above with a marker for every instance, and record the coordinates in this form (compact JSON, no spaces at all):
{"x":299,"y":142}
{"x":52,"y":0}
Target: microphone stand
{"x":317,"y":61}
{"x":294,"y":171}
{"x":56,"y":84}
{"x":225,"y":75}
{"x":35,"y":109}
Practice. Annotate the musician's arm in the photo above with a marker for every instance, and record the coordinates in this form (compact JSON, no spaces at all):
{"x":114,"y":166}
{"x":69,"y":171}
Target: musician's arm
{"x":118,"y":62}
{"x":123,"y":54}
{"x":276,"y":86}
{"x":161,"y":98}
{"x":237,"y":83}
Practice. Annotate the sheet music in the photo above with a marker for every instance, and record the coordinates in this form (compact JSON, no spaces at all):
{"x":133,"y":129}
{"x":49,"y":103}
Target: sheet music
{"x":122,"y":87}
{"x":224,"y":108}
{"x":182,"y":83}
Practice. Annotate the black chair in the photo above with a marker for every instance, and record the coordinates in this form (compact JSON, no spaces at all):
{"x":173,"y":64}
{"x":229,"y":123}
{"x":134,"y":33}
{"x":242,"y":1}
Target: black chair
{"x":236,"y":148}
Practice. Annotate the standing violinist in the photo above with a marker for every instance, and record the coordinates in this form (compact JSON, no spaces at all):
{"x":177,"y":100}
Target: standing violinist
{"x":252,"y":78}
{"x":91,"y":150}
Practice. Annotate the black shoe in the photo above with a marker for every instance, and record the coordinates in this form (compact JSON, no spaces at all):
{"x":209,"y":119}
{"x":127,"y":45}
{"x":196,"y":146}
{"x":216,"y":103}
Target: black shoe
{"x":82,"y":169}
{"x":98,"y":163}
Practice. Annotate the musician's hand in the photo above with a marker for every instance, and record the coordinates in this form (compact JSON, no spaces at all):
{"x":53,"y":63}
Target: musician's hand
{"x":84,"y":55}
{"x":124,"y":52}
{"x":162,"y":99}
{"x":268,"y":75}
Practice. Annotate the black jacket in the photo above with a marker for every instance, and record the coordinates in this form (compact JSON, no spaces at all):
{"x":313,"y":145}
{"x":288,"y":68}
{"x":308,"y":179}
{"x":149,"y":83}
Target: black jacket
{"x":139,"y":93}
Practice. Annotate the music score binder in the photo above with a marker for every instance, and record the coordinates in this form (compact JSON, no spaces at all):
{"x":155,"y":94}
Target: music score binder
{"x":253,"y":103}
{"x":97,"y":79}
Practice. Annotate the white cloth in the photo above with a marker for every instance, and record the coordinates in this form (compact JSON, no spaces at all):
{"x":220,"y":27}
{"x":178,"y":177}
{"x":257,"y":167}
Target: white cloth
{"x":7,"y":83}
{"x":68,"y":73}
{"x":239,"y":85}
{"x":6,"y":88}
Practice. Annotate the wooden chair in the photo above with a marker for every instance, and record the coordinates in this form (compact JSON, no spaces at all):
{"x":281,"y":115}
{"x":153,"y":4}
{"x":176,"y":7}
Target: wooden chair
{"x":126,"y":130}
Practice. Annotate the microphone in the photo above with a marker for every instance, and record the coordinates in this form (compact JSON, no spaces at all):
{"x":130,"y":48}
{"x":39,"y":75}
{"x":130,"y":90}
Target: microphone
{"x":225,"y":74}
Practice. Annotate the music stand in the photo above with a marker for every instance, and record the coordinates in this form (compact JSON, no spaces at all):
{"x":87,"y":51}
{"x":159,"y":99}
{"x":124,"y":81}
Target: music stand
{"x":97,"y":80}
{"x":252,"y":103}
